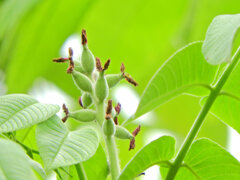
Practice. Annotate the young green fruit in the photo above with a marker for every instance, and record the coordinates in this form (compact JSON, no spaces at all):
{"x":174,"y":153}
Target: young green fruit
{"x":114,"y":79}
{"x":101,"y":87}
{"x":123,"y":133}
{"x":78,"y":67}
{"x":87,"y":60}
{"x":83,"y":115}
{"x":86,"y":100}
{"x":82,"y":81}
{"x":109,"y":127}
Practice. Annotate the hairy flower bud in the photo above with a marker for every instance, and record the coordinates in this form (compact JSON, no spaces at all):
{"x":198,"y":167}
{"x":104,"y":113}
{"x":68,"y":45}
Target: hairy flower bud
{"x":83,"y":115}
{"x":82,"y":81}
{"x":101,"y":87}
{"x":114,"y":79}
{"x":78,"y":67}
{"x":86,"y":100}
{"x":123,"y":133}
{"x":87,"y":58}
{"x":109,"y":127}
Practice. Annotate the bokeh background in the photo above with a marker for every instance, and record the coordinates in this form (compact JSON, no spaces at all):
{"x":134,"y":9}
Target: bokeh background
{"x":140,"y":33}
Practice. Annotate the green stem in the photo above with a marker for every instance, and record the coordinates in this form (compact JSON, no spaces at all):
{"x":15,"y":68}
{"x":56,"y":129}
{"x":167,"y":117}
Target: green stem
{"x":113,"y":157}
{"x":100,"y":112}
{"x":200,"y":118}
{"x":27,"y":148}
{"x":80,"y":171}
{"x":110,"y":144}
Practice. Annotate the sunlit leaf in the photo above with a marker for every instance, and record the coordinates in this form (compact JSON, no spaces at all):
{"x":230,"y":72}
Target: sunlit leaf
{"x":18,"y":111}
{"x":157,"y":152}
{"x":37,"y":168}
{"x":226,"y":106}
{"x":60,"y":147}
{"x":206,"y":160}
{"x":184,"y":71}
{"x":218,"y":43}
{"x":14,"y":163}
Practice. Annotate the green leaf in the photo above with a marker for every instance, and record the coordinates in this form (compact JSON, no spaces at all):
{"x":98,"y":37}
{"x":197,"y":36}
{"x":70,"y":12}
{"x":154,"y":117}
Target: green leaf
{"x":226,"y":109}
{"x":38,"y":168}
{"x":226,"y":106}
{"x":185,"y":70}
{"x":59,"y":147}
{"x":97,"y":167}
{"x":14,"y":163}
{"x":206,"y":160}
{"x":218,"y":43}
{"x":156,"y":152}
{"x":18,"y":111}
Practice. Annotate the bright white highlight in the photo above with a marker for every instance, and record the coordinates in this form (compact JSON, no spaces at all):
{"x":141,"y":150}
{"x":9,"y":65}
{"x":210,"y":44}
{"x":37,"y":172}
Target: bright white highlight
{"x":73,"y":41}
{"x":233,"y":143}
{"x":46,"y":92}
{"x":129,"y":99}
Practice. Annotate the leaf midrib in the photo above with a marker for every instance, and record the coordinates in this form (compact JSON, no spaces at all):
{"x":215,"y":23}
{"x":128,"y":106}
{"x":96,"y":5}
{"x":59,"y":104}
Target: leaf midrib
{"x":58,"y":150}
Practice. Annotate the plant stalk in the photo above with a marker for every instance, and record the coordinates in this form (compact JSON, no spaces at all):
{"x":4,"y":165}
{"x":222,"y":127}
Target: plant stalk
{"x":100,"y":113}
{"x":110,"y":144}
{"x":201,"y":116}
{"x":113,"y":157}
{"x":80,"y":171}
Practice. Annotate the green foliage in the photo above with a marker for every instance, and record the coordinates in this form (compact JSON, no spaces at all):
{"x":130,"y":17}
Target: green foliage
{"x":97,"y":166}
{"x":185,"y":72}
{"x":38,"y":169}
{"x":207,"y":160}
{"x":218,"y":43}
{"x":18,"y":111}
{"x":14,"y":163}
{"x":60,"y":147}
{"x":186,"y":69}
{"x":157,"y":152}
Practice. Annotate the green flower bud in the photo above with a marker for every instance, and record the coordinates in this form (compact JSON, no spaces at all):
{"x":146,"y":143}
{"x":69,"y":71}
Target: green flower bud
{"x":109,"y":127}
{"x":83,"y":115}
{"x":101,"y":87}
{"x":82,"y":81}
{"x":87,"y":60}
{"x":123,"y":133}
{"x":114,"y":79}
{"x":86,"y":100}
{"x":78,"y":67}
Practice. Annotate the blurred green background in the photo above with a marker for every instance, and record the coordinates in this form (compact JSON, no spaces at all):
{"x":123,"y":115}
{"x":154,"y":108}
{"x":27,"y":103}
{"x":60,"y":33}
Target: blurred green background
{"x":142,"y":34}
